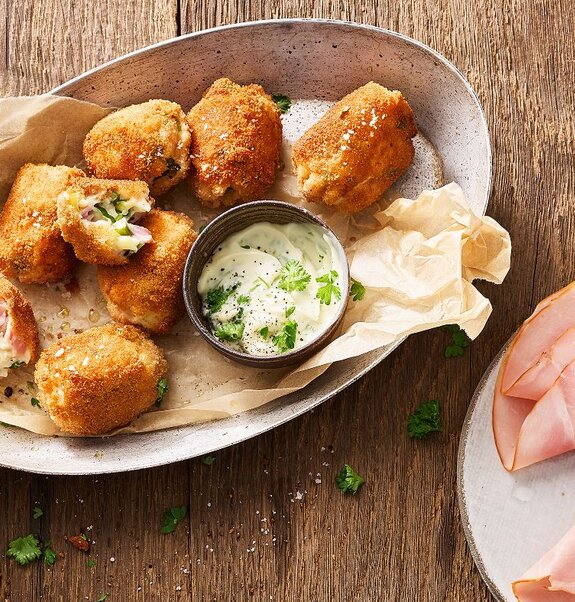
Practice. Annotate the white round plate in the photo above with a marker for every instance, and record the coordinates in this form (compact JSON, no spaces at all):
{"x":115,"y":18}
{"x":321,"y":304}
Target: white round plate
{"x":304,"y":59}
{"x":510,"y":519}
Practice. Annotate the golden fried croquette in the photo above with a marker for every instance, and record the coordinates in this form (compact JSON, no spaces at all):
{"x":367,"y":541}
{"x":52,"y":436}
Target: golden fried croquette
{"x":100,"y":379}
{"x":19,"y":342}
{"x":148,"y":141}
{"x":98,"y":217}
{"x":236,"y":142}
{"x":357,"y":150}
{"x":32,"y":249}
{"x":148,"y":291}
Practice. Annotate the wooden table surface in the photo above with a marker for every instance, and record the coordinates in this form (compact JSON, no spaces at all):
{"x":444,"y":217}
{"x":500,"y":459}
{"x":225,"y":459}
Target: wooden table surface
{"x":248,"y":537}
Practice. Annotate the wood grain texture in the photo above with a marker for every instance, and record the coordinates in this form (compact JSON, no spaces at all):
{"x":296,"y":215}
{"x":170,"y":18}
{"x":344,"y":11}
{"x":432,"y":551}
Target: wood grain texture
{"x":266,"y":521}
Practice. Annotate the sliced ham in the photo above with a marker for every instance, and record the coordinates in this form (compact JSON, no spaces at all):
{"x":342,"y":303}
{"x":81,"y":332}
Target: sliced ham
{"x":552,"y":578}
{"x":552,"y":317}
{"x":540,"y":378}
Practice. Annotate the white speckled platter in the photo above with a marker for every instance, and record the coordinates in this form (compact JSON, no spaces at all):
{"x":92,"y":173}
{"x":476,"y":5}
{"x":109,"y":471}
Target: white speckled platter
{"x":312,"y":60}
{"x":510,"y":519}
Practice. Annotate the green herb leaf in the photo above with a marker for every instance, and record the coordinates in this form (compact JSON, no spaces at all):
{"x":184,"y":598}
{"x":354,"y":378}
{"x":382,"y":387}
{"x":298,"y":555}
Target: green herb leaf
{"x":208,"y":460}
{"x":103,"y":598}
{"x":172,"y":517}
{"x":37,"y":512}
{"x":218,"y":296}
{"x":348,"y":480}
{"x":426,"y":419}
{"x":285,"y":340}
{"x":91,"y":562}
{"x":265,"y":331}
{"x":49,"y":556}
{"x":329,"y":288}
{"x":16,"y":364}
{"x":289,"y":311}
{"x":162,"y":388}
{"x":243,"y":300}
{"x":35,"y":402}
{"x":230,"y":331}
{"x":357,"y":292}
{"x":283,"y":102}
{"x":24,"y":549}
{"x":293,"y":276}
{"x":459,"y":341}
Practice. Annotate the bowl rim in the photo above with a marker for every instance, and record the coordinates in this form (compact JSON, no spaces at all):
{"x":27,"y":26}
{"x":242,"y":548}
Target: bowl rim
{"x":60,"y":90}
{"x":265,"y":361}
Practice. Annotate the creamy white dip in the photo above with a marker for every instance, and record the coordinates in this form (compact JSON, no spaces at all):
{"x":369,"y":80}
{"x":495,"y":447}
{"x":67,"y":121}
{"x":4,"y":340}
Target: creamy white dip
{"x":271,"y":288}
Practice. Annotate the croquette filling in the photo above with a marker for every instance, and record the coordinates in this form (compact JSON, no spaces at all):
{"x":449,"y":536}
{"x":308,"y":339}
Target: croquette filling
{"x":120,"y":215}
{"x":179,"y":152}
{"x":13,"y":352}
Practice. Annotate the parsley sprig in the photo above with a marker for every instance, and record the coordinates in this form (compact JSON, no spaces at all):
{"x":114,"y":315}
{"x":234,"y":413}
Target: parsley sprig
{"x":357,"y":291}
{"x":426,"y":419}
{"x":285,"y":339}
{"x":283,"y":102}
{"x":329,"y":288}
{"x":459,"y":341}
{"x":162,"y":389}
{"x":172,"y":517}
{"x":27,"y":549}
{"x":293,"y":276}
{"x":230,"y":331}
{"x":348,"y":480}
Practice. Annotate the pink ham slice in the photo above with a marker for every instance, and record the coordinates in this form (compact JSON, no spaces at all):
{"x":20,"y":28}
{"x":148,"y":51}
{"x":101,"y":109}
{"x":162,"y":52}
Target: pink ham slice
{"x":552,"y":578}
{"x":540,"y":378}
{"x":528,"y":431}
{"x":552,"y":317}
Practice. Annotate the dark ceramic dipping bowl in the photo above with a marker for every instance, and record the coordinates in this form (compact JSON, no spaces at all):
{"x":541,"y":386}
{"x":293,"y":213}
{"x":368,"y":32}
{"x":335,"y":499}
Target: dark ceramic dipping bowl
{"x":233,"y":220}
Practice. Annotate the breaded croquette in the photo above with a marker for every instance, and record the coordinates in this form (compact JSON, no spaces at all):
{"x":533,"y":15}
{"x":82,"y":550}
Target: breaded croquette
{"x":236,"y":142}
{"x":148,"y":290}
{"x":32,"y":249}
{"x":148,"y":141}
{"x":101,"y":379}
{"x":357,"y":150}
{"x":19,"y":343}
{"x":98,"y":217}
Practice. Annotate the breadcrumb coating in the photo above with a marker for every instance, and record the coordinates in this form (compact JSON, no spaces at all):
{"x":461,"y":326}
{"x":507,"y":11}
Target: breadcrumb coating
{"x":101,"y":379}
{"x":236,"y":142}
{"x":148,"y":290}
{"x":148,"y":141}
{"x":357,"y":150}
{"x":32,"y":249}
{"x":96,"y":241}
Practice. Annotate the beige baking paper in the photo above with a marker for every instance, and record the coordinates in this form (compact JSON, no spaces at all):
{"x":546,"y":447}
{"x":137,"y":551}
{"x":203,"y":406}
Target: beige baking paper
{"x":417,"y":260}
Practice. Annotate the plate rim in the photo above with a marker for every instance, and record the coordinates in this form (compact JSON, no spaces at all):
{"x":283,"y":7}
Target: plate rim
{"x":379,"y":357}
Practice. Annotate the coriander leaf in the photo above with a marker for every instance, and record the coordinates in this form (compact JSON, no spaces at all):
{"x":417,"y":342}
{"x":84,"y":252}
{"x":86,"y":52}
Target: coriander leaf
{"x":289,"y":311}
{"x":459,"y":341}
{"x":49,"y":556}
{"x":265,"y":331}
{"x":24,"y":549}
{"x":172,"y":517}
{"x":357,"y":292}
{"x":293,"y":276}
{"x":330,"y":288}
{"x":230,"y":331}
{"x":285,"y":340}
{"x":35,"y":402}
{"x":243,"y":300}
{"x":348,"y":480}
{"x":283,"y":102}
{"x":37,"y":512}
{"x":216,"y":297}
{"x":91,"y":562}
{"x":426,"y":419}
{"x":162,"y":388}
{"x":103,"y":598}
{"x":208,"y":460}
{"x":16,"y":364}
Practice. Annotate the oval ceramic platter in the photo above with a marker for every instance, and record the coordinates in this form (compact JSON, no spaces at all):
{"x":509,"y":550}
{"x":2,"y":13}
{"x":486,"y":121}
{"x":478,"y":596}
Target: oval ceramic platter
{"x":510,"y":519}
{"x":308,"y":60}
